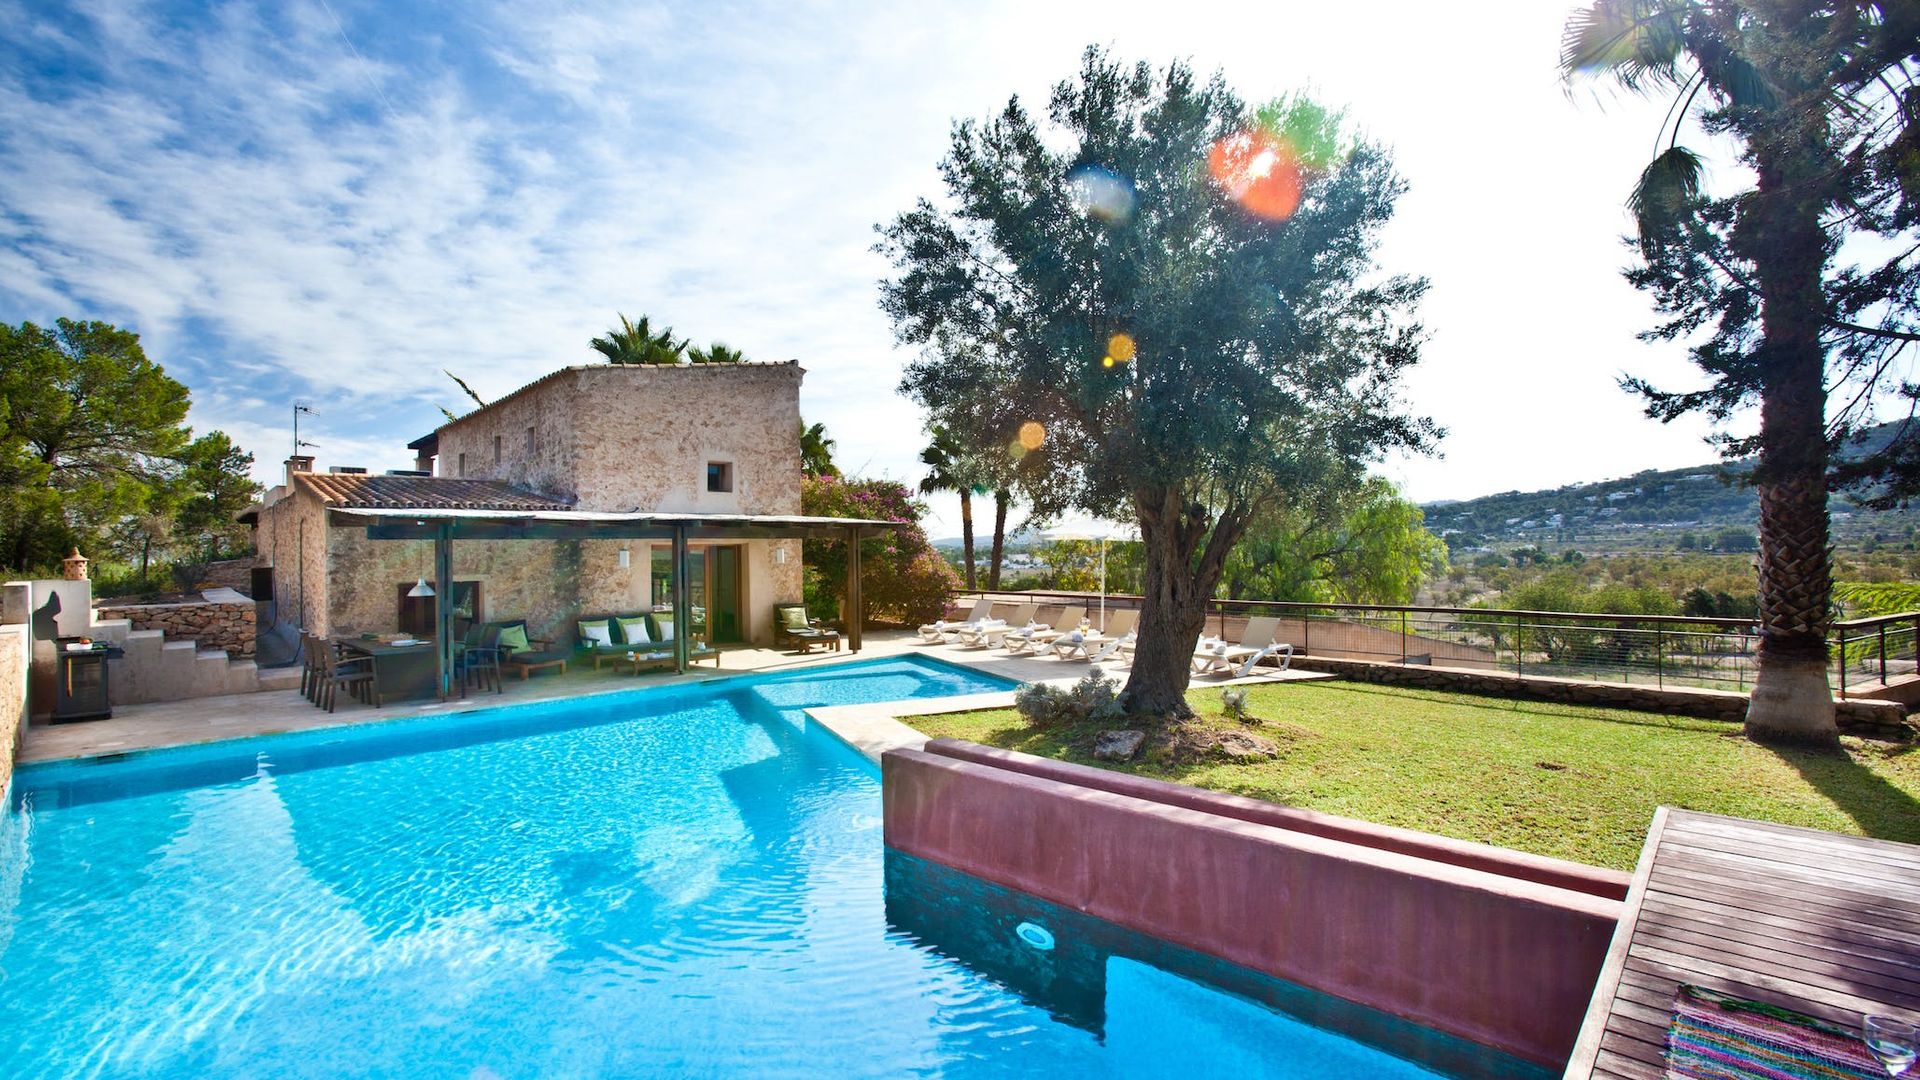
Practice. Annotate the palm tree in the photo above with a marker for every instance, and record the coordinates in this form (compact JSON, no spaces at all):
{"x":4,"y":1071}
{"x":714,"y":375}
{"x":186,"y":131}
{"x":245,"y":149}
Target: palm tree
{"x":816,"y":451}
{"x":945,"y":459}
{"x":1002,"y":499}
{"x":636,"y":343}
{"x":716,"y":353}
{"x":1819,"y":95}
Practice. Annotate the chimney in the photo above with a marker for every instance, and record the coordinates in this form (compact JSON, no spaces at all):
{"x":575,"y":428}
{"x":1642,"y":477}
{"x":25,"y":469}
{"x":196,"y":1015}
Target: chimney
{"x":298,"y":463}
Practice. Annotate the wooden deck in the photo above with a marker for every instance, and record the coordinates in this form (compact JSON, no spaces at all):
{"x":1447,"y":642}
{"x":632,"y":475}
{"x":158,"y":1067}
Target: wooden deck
{"x":1825,"y":924}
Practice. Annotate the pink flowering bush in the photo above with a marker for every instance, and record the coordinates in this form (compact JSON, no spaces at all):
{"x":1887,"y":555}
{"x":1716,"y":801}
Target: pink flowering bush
{"x":904,"y":579}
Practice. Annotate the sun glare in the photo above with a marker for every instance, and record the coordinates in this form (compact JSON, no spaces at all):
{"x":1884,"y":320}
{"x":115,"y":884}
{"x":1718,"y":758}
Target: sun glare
{"x":1260,"y":171}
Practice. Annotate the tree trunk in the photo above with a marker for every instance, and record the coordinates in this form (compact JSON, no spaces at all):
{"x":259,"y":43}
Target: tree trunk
{"x":1791,"y":700}
{"x":1001,"y":500}
{"x":966,"y":532}
{"x":1180,"y":576}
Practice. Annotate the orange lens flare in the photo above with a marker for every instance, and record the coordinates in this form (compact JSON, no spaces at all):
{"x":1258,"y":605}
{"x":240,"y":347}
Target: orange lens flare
{"x":1260,"y":171}
{"x":1121,"y":347}
{"x":1032,"y":434}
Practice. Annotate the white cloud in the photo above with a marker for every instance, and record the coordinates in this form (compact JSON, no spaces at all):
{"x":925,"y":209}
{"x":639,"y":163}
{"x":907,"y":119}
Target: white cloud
{"x":283,"y":214}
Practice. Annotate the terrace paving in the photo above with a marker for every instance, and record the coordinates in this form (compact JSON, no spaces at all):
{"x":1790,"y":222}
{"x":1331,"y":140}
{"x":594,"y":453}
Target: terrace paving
{"x":871,"y":728}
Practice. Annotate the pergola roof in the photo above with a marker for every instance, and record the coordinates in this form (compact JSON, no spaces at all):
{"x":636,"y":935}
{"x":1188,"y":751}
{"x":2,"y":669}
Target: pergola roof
{"x":405,"y":523}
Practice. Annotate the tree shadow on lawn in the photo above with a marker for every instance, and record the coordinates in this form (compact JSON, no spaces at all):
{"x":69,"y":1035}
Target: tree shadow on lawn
{"x":1879,"y":807}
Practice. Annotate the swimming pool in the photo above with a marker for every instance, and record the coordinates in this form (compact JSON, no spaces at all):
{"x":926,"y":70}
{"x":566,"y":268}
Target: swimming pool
{"x":677,"y":880}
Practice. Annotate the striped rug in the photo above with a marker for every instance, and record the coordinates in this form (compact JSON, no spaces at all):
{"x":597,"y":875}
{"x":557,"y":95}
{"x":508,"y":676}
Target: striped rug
{"x":1716,"y":1037}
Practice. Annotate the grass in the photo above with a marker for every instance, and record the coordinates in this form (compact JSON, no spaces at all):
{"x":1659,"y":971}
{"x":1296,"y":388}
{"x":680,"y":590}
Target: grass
{"x":1562,"y":780}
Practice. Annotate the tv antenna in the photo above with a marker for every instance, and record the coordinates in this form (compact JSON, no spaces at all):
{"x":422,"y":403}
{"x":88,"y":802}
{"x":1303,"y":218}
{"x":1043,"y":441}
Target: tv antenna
{"x":297,"y":442}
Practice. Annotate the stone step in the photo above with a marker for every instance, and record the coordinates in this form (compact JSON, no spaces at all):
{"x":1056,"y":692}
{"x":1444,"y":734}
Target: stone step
{"x":209,"y":673}
{"x":287,"y":678}
{"x":114,"y":630}
{"x":243,"y":677}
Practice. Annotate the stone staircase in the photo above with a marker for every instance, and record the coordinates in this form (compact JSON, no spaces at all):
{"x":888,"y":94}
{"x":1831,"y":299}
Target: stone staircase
{"x":156,"y":669}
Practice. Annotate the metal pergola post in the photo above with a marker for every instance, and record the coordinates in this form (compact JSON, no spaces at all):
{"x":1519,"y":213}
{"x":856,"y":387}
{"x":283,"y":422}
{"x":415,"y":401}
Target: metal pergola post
{"x":682,"y":610}
{"x":855,"y":612}
{"x":443,"y":605}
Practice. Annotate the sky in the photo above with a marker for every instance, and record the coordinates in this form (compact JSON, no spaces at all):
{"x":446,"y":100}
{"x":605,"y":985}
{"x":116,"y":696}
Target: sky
{"x":333,"y":202}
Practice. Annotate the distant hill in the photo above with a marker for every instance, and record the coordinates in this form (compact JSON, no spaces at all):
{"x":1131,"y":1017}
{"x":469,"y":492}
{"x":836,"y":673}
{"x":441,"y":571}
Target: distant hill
{"x":1652,"y":509}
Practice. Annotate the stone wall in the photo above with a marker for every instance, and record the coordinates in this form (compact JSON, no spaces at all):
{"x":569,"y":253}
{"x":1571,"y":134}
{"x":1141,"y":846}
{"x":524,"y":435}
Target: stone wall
{"x":291,"y":538}
{"x":638,"y":437}
{"x":228,"y":626}
{"x":1876,"y":718}
{"x":549,"y":583}
{"x":15,"y":655}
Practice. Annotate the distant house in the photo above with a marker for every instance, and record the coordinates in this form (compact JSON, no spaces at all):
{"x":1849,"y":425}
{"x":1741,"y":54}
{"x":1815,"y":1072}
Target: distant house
{"x":712,"y":449}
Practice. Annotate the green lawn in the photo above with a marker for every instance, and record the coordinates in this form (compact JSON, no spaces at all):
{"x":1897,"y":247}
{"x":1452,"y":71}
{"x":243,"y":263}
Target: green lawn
{"x":1569,"y":781}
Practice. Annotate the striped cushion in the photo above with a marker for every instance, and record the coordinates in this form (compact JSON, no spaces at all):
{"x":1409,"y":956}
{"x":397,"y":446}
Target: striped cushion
{"x":1716,"y":1037}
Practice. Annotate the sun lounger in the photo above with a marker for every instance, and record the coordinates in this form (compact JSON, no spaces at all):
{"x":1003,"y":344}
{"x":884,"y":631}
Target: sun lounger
{"x":987,"y":636}
{"x":1217,"y":657}
{"x":942,"y":629}
{"x":1098,"y":646}
{"x":1036,"y":642}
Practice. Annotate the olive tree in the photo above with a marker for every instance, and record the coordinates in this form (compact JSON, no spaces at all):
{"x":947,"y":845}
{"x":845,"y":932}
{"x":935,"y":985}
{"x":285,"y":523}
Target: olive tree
{"x":1165,"y":304}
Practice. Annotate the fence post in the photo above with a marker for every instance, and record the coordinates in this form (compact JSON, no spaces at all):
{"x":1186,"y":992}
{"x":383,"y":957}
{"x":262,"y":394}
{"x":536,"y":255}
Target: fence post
{"x":1519,"y":646}
{"x":1403,"y":639}
{"x":1843,"y":662}
{"x":1660,"y":656}
{"x":1883,"y":654}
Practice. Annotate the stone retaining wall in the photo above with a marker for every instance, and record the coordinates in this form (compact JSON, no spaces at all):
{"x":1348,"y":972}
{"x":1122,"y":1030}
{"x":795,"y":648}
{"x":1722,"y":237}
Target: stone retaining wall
{"x":15,"y":654}
{"x":228,"y":626}
{"x":1878,"y":718}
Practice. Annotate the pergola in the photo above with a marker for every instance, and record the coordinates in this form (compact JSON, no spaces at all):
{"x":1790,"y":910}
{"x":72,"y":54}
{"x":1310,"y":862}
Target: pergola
{"x":444,"y":526}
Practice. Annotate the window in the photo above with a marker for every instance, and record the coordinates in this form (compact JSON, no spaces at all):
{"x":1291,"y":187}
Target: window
{"x":463,"y":464}
{"x":496,"y":449}
{"x":719,"y":476}
{"x":529,"y":442}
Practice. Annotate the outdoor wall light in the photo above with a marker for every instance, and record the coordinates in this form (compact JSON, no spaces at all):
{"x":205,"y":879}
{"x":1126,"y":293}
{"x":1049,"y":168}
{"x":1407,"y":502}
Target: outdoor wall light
{"x":626,"y":558}
{"x":780,"y":555}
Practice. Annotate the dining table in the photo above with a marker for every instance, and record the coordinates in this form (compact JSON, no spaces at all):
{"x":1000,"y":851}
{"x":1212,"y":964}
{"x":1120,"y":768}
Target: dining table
{"x":402,"y":670}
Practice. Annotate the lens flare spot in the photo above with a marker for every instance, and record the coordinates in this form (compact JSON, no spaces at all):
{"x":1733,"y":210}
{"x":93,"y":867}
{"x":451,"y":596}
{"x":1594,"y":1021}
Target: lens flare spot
{"x":1102,"y":193}
{"x":1260,"y":171}
{"x":1015,"y":450}
{"x":1032,"y":434}
{"x":1121,"y":347}
{"x":1106,"y":361}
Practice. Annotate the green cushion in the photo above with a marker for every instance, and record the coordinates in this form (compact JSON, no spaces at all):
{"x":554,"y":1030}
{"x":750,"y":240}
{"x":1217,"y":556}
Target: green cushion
{"x":633,"y":631}
{"x":794,"y":618}
{"x":596,"y":632}
{"x":513,"y":638}
{"x":663,"y":627}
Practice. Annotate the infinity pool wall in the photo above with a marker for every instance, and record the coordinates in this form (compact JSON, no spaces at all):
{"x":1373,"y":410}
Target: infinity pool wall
{"x":1505,"y":960}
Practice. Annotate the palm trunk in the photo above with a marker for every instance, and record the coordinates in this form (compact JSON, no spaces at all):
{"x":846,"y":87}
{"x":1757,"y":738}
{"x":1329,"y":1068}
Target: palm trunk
{"x":1180,"y":576}
{"x":1001,"y":500}
{"x":966,"y":532}
{"x":1791,"y":700}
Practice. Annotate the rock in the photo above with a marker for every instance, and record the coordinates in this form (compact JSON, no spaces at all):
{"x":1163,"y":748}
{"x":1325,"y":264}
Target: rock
{"x":1242,"y":746}
{"x":1118,"y":745}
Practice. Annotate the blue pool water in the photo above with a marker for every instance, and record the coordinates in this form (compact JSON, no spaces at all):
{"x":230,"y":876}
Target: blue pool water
{"x":677,"y":881}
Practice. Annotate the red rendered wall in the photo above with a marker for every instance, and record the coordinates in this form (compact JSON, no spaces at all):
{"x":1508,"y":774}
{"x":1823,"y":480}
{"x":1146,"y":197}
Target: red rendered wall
{"x":1507,"y":963}
{"x":1506,"y":862}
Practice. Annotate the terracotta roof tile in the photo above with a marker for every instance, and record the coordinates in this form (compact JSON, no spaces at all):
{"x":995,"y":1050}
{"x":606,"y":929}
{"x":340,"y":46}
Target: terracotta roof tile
{"x":349,"y":490}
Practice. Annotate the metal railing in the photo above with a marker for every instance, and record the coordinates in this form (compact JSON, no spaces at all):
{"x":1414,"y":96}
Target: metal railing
{"x":1656,"y":650}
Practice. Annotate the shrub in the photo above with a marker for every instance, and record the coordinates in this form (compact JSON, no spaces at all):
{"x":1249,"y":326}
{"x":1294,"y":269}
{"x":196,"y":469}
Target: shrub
{"x":1094,"y":699}
{"x":904,"y":579}
{"x":1234,"y":703}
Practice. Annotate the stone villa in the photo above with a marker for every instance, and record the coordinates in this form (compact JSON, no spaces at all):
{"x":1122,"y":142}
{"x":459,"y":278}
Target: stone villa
{"x":705,"y":444}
